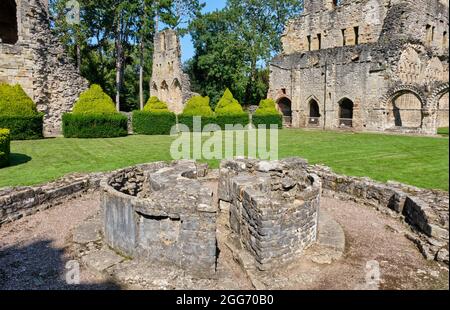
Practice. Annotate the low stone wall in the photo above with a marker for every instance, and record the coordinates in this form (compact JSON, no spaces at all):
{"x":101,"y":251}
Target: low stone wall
{"x":163,"y":215}
{"x":274,"y":208}
{"x":18,"y":202}
{"x":426,"y":211}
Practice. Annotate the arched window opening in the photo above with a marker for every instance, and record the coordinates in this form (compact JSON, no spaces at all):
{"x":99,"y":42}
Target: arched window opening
{"x":8,"y":22}
{"x":164,"y":93}
{"x":346,"y":113}
{"x":314,"y":113}
{"x":285,"y":106}
{"x":176,"y":93}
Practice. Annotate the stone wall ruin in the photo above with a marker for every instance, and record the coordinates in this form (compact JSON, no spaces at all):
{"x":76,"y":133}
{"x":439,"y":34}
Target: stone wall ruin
{"x":169,"y":83}
{"x":30,"y":55}
{"x":386,"y":58}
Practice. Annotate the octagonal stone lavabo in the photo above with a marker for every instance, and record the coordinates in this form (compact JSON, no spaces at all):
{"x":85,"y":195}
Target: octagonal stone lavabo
{"x":163,"y":214}
{"x":274,"y":208}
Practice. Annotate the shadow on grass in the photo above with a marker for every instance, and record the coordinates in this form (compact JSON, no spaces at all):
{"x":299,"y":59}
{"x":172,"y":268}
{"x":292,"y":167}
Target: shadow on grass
{"x":16,"y":159}
{"x":39,"y":266}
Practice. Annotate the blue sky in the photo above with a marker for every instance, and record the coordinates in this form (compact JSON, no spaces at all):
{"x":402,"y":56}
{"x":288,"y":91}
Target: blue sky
{"x":187,"y":48}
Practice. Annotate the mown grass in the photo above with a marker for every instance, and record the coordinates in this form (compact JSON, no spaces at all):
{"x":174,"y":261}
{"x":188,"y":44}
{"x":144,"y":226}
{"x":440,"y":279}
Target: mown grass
{"x":419,"y":161}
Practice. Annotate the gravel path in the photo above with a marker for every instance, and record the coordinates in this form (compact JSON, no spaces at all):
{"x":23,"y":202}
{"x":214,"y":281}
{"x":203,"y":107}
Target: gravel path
{"x":34,"y":252}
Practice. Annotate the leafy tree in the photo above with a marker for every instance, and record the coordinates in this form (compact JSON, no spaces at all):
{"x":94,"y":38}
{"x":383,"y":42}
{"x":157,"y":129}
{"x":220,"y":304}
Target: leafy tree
{"x":113,"y":44}
{"x":219,"y":59}
{"x":233,"y":47}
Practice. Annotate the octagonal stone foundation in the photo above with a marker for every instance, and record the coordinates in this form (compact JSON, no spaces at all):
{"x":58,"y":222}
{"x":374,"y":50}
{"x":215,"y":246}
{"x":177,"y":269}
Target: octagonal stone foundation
{"x":274,"y":208}
{"x":162,"y":213}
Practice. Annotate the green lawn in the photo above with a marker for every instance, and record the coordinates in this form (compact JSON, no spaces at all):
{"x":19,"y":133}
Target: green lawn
{"x":419,"y":161}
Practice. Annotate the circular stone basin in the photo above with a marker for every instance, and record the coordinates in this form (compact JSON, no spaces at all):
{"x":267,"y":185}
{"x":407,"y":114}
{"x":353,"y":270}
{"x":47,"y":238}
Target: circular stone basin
{"x":162,"y":213}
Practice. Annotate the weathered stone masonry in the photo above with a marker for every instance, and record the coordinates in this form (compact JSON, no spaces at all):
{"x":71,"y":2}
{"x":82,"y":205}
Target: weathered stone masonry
{"x":274,"y":208}
{"x":31,"y":56}
{"x":163,"y":215}
{"x":242,"y":185}
{"x":169,"y":83}
{"x":370,"y":65}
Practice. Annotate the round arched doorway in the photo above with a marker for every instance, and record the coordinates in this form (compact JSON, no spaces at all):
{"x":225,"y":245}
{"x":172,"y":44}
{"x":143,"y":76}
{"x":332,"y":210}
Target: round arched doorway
{"x":346,"y":113}
{"x":285,"y":106}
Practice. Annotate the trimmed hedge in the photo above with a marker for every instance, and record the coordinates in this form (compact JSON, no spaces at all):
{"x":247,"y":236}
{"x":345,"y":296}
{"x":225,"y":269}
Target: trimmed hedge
{"x":189,"y":121}
{"x":267,"y":114}
{"x":94,"y":116}
{"x":268,"y":120}
{"x":94,"y":125}
{"x":153,"y":123}
{"x":4,"y":147}
{"x":18,"y":113}
{"x":240,"y":119}
{"x":24,"y":127}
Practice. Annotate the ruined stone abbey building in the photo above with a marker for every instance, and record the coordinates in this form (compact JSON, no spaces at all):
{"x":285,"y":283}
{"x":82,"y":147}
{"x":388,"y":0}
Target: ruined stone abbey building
{"x":31,"y":56}
{"x":169,"y":83}
{"x":370,"y":65}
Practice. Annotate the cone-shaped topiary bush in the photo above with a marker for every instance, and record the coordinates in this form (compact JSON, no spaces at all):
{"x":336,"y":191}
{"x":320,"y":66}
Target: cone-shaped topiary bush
{"x":197,"y":106}
{"x":18,"y":113}
{"x":94,"y":116}
{"x":227,"y":105}
{"x":155,"y":105}
{"x":155,"y":119}
{"x":267,"y":114}
{"x":229,"y":111}
{"x":15,"y":102}
{"x":94,"y":101}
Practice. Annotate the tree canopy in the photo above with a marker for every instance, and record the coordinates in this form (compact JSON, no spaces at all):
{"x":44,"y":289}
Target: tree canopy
{"x":112,"y":45}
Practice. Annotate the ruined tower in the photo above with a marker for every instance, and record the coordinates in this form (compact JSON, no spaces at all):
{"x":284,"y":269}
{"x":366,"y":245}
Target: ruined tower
{"x":30,"y":55}
{"x":169,"y":83}
{"x":366,"y":65}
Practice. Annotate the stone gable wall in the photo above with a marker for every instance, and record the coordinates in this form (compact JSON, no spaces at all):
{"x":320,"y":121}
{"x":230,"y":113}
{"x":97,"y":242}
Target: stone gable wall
{"x":169,"y":83}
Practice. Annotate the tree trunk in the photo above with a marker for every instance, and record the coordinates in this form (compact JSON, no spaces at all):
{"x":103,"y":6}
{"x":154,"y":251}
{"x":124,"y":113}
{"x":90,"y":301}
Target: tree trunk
{"x":249,"y":89}
{"x":78,"y":58}
{"x":141,"y":73}
{"x":119,"y":62}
